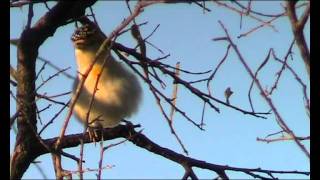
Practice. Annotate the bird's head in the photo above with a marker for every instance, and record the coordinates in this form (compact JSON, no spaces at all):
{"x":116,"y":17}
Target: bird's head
{"x":87,"y":37}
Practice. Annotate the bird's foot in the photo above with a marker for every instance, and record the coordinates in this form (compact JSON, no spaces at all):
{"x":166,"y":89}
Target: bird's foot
{"x":95,"y":132}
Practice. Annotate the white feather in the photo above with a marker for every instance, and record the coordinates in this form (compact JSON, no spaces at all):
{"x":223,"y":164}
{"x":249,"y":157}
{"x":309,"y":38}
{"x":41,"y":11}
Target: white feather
{"x":118,"y":94}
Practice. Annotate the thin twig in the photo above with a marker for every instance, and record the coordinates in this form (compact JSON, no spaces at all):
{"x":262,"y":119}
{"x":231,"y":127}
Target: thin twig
{"x":216,"y":69}
{"x":50,"y":77}
{"x":174,"y":93}
{"x":279,"y":119}
{"x":289,"y":52}
{"x":53,"y":118}
{"x":303,"y":85}
{"x":219,"y":3}
{"x":256,"y":76}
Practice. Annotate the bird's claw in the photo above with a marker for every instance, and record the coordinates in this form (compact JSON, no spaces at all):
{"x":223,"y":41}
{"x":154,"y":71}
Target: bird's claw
{"x":95,"y":133}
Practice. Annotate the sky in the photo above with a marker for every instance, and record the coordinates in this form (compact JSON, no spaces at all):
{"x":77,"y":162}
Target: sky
{"x":186,"y":33}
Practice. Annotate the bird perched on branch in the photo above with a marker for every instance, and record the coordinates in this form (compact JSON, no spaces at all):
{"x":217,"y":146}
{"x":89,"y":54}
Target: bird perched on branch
{"x":227,"y":93}
{"x":118,"y":91}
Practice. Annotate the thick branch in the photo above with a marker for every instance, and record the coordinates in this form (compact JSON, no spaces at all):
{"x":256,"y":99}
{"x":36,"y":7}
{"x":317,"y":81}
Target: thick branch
{"x":30,"y":41}
{"x":128,"y":132}
{"x":297,"y":28}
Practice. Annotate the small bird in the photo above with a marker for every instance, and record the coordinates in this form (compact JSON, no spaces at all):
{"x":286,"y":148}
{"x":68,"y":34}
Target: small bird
{"x":118,"y":93}
{"x":227,"y":93}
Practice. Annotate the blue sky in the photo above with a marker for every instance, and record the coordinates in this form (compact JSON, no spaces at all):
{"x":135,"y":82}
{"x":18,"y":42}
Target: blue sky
{"x":185,"y":33}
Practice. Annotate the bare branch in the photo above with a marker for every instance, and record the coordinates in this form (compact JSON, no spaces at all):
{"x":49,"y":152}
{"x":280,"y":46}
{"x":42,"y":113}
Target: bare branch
{"x":282,"y":138}
{"x":174,"y":93}
{"x":256,"y":76}
{"x":216,"y":69}
{"x":29,"y":42}
{"x":279,"y":119}
{"x":297,"y":28}
{"x":204,"y":96}
{"x":140,"y":140}
{"x":282,"y":68}
{"x":220,"y":3}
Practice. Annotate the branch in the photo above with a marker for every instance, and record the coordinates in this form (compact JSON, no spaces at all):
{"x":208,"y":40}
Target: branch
{"x":297,"y":28}
{"x":220,"y":3}
{"x":299,"y":80}
{"x":29,"y":42}
{"x":256,"y":75}
{"x":204,"y":96}
{"x":282,"y":138}
{"x":279,"y":119}
{"x":15,"y":43}
{"x":278,"y":74}
{"x":128,"y":132}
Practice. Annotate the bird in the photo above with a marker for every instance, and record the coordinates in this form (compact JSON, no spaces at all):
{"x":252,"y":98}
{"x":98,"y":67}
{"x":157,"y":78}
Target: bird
{"x":118,"y":94}
{"x":227,"y":93}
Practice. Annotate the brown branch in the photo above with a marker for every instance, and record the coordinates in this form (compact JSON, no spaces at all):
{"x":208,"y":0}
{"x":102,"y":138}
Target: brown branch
{"x":174,"y":93}
{"x":41,"y":69}
{"x":50,"y":77}
{"x":303,"y":85}
{"x":189,"y":173}
{"x":216,"y":69}
{"x":30,"y":16}
{"x":91,"y":170}
{"x":129,"y":29}
{"x":51,"y":100}
{"x":58,"y":95}
{"x":145,"y":40}
{"x":282,"y":138}
{"x":155,"y":93}
{"x":140,"y":140}
{"x":56,"y":159}
{"x":297,"y":28}
{"x":202,"y":115}
{"x":289,"y":52}
{"x":81,"y":158}
{"x":274,"y":17}
{"x":156,"y":64}
{"x":255,"y":77}
{"x":255,"y":12}
{"x":186,"y":1}
{"x":102,"y":150}
{"x":220,"y":3}
{"x":204,"y":96}
{"x":169,"y":101}
{"x":53,"y":118}
{"x":257,"y":27}
{"x":279,"y":119}
{"x":15,"y":42}
{"x":29,"y":42}
{"x":55,"y":67}
{"x":21,"y":3}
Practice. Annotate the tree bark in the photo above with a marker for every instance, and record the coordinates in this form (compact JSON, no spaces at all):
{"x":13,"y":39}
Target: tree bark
{"x":30,"y":41}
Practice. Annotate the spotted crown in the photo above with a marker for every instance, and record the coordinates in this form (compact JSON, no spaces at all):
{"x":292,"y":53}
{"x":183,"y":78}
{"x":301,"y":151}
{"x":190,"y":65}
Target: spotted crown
{"x":83,"y":32}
